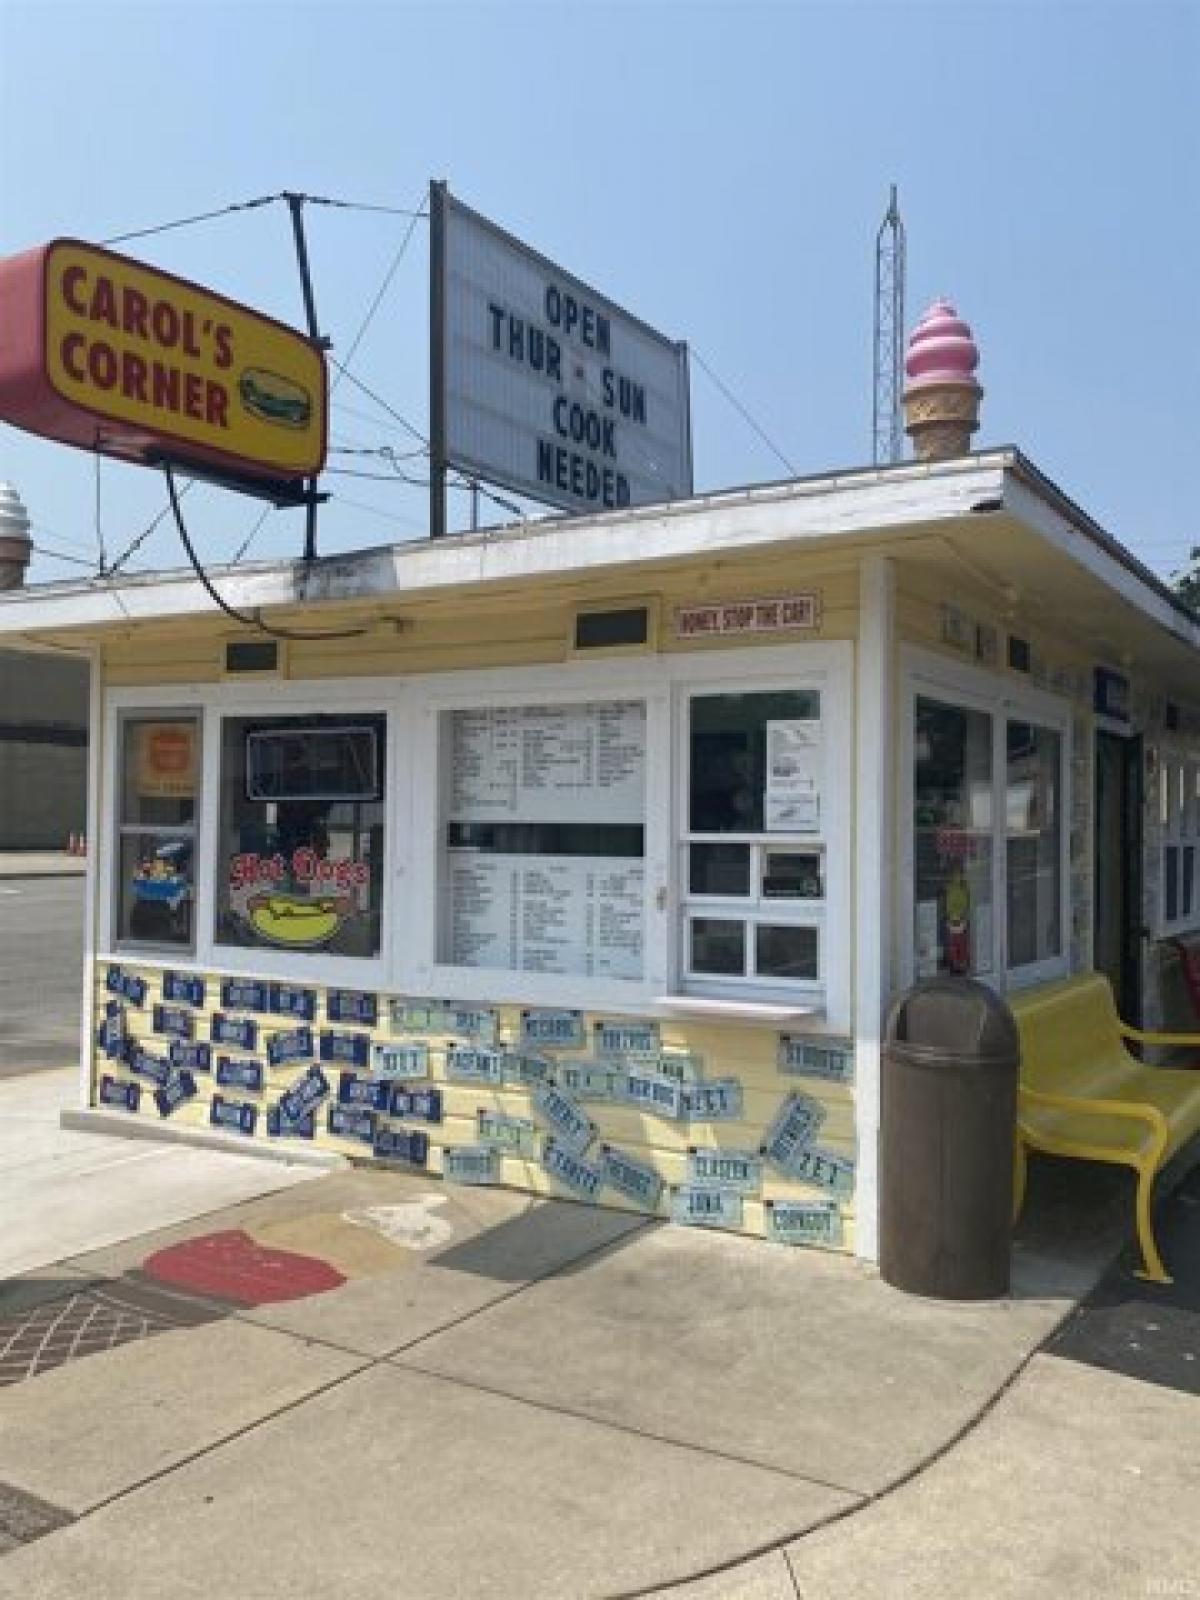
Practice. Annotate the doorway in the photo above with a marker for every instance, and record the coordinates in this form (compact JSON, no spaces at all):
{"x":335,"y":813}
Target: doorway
{"x":1117,"y":893}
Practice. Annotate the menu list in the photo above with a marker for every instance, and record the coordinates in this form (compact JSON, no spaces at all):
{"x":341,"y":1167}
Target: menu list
{"x":562,"y":764}
{"x":522,"y":763}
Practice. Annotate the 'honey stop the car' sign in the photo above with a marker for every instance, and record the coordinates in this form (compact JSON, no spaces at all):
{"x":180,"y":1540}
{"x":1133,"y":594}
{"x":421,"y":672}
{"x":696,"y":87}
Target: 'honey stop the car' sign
{"x":104,"y":353}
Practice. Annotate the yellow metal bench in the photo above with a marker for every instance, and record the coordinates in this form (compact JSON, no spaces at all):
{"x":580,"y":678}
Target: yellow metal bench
{"x":1082,"y":1094}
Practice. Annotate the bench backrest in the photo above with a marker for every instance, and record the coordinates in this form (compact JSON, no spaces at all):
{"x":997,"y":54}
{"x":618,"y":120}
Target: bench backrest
{"x":1071,"y":1036}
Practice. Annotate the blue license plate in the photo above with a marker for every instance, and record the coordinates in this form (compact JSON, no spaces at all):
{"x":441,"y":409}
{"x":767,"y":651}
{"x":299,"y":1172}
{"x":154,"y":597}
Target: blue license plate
{"x":184,"y":988}
{"x":423,"y":1104}
{"x":179,"y":1088}
{"x":402,"y":1144}
{"x":352,"y":1049}
{"x":238,"y":1116}
{"x":245,"y":994}
{"x":122,"y":1096}
{"x":235,"y":1074}
{"x":350,"y":1005}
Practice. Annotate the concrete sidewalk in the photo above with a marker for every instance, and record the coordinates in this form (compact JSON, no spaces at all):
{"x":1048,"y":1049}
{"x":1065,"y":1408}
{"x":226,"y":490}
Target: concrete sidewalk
{"x":509,"y":1397}
{"x":63,"y":1192}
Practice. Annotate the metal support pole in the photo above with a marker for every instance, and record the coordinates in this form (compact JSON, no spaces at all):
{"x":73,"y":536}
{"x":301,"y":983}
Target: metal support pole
{"x":437,"y":359}
{"x":296,"y":207}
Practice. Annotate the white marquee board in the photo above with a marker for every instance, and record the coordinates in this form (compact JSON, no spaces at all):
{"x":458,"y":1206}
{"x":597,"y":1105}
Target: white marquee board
{"x":548,"y":387}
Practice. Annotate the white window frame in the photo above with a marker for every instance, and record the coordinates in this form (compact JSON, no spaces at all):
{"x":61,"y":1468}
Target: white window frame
{"x":407,"y":963}
{"x":828,"y":668}
{"x":214,"y":702}
{"x":927,"y":675}
{"x":1179,"y":829}
{"x":566,"y":683}
{"x":753,"y":910}
{"x":119,"y":829}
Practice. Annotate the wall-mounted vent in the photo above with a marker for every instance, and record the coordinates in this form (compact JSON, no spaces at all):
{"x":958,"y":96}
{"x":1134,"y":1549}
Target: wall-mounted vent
{"x":626,"y":628}
{"x":1018,"y":653}
{"x":257,"y":655}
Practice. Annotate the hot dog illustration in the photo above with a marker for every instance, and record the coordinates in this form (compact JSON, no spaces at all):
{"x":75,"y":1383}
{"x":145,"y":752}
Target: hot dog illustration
{"x":275,"y":399}
{"x":296,"y":919}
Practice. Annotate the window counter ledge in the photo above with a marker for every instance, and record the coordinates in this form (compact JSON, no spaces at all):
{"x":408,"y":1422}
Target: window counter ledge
{"x":737,"y":1010}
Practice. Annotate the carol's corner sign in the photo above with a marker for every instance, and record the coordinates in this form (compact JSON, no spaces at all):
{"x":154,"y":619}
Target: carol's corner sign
{"x":101,"y":352}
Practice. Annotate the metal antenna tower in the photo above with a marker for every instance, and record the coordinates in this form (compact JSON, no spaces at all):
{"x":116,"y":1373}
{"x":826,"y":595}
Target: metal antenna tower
{"x":888,"y":431}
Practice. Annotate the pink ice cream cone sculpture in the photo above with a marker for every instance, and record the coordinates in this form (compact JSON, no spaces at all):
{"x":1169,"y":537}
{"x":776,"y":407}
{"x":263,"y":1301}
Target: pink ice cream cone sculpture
{"x":941,"y":397}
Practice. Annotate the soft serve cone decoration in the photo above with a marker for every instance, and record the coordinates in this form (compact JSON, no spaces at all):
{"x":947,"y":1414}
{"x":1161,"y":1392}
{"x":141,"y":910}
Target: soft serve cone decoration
{"x":942,"y":395}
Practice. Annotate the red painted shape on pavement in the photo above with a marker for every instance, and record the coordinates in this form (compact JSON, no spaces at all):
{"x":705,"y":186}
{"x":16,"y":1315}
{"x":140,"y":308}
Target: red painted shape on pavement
{"x":233,"y":1266}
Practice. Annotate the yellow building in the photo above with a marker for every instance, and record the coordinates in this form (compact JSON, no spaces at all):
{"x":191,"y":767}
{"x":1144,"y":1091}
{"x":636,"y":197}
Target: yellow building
{"x":584,"y":856}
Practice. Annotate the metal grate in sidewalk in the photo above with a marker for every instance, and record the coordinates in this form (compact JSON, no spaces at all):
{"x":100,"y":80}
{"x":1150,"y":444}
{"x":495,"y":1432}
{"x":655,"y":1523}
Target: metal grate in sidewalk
{"x":93,"y":1320}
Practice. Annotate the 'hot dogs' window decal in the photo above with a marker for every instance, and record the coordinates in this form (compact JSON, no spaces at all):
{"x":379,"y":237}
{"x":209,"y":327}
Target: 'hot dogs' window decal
{"x":300,"y":857}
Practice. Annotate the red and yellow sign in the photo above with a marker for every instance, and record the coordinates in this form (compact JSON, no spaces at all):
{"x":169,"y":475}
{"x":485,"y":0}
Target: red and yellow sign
{"x":166,"y":760}
{"x":104,"y":353}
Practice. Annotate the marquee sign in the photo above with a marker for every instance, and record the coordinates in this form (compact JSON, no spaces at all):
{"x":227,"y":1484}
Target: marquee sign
{"x":109,"y":355}
{"x":543,"y":385}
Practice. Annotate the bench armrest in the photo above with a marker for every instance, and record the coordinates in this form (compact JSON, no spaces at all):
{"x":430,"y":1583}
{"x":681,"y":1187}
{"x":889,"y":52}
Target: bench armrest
{"x":1085,"y":1106}
{"x":1143,"y":1037}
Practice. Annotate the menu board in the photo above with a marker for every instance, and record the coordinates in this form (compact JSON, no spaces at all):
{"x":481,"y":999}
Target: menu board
{"x":521,"y":902}
{"x":561,"y":763}
{"x":565,"y":914}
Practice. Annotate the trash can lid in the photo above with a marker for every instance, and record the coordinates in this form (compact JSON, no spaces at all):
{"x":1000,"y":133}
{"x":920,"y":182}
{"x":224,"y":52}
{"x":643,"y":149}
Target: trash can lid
{"x":957,"y":1016}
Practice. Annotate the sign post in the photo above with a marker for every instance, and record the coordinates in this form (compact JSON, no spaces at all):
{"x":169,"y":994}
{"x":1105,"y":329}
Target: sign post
{"x":437,"y":358}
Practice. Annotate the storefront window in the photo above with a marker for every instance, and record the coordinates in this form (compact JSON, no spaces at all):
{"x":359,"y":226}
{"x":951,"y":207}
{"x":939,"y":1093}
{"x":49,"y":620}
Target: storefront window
{"x":157,"y":774}
{"x":1033,"y":819}
{"x":300,"y":845}
{"x":952,"y":858}
{"x":755,"y":860}
{"x":543,"y":838}
{"x":1179,"y":814}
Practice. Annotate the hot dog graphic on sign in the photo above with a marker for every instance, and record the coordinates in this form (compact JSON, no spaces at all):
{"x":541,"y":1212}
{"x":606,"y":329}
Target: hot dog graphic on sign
{"x":297,"y":899}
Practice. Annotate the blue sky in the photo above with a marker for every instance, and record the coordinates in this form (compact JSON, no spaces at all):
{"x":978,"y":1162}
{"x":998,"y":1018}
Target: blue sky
{"x":721,"y":169}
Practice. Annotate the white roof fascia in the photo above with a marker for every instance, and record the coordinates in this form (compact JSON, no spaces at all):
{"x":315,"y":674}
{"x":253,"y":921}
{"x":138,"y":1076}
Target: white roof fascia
{"x":1063,"y":534}
{"x":828,"y":509}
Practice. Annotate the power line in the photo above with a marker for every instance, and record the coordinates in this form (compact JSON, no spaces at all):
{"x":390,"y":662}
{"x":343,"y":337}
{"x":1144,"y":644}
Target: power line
{"x":362,"y":205}
{"x":187,"y":222}
{"x":251,"y":536}
{"x":56,"y":555}
{"x":253,"y":205}
{"x":378,"y":511}
{"x":378,"y":300}
{"x":383,"y":404}
{"x":377,"y":477}
{"x":744,"y":414}
{"x":147,"y":531}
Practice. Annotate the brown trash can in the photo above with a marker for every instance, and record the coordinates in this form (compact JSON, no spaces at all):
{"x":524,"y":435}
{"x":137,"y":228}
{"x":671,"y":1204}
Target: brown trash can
{"x":951,"y":1057}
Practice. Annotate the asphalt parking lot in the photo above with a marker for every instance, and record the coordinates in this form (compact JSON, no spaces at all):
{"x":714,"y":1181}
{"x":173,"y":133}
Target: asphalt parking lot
{"x":41,"y":963}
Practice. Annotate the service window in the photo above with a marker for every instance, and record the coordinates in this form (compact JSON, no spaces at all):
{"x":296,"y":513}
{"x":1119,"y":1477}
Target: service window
{"x":542,"y":838}
{"x":157,"y":767}
{"x":300,"y":838}
{"x":754,"y":853}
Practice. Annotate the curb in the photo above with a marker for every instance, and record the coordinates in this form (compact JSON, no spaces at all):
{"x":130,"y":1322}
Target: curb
{"x":97,"y":1120}
{"x":47,"y":872}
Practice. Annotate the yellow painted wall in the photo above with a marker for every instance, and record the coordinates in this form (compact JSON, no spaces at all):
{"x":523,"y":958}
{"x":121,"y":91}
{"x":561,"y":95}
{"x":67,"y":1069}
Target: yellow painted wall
{"x":499,"y":628}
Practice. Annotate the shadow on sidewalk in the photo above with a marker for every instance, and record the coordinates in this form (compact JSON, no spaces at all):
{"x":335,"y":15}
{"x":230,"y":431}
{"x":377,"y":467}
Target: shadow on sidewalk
{"x":1143,"y":1330}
